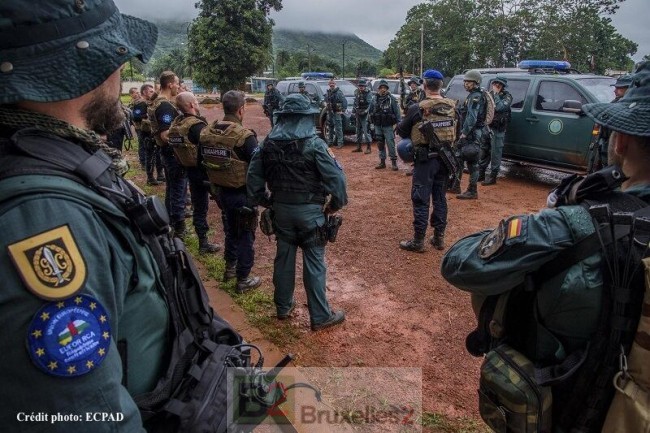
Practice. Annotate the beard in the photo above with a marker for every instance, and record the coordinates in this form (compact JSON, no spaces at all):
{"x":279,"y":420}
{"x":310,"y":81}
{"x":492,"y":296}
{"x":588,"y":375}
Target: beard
{"x":103,"y":114}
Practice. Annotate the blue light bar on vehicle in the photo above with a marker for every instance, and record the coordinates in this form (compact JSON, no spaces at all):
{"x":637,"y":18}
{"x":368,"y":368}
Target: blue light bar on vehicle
{"x":558,"y":65}
{"x":316,"y":75}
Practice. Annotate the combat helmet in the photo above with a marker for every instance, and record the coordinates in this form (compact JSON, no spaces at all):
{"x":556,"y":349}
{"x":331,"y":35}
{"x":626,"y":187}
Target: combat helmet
{"x":473,"y":75}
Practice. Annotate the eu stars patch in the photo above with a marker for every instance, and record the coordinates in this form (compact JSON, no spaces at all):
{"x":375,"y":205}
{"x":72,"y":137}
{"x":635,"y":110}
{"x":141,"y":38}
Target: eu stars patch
{"x":50,"y":263}
{"x":69,"y":338}
{"x":167,"y":119}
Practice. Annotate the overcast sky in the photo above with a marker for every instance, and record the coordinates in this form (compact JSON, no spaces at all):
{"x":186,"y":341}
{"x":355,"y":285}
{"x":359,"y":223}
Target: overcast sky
{"x":374,"y":21}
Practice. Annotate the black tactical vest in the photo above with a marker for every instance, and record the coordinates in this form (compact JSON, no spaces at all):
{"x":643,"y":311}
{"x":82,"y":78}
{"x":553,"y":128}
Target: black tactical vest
{"x":290,"y":176}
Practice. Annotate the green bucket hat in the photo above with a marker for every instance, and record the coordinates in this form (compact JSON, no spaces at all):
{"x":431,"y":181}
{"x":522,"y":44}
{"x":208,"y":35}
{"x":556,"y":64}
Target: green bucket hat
{"x":296,"y":104}
{"x":55,"y":50}
{"x":501,"y":80}
{"x":631,"y":113}
{"x":383,"y":83}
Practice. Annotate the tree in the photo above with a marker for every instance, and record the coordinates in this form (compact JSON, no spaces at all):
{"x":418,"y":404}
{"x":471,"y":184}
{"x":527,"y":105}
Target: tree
{"x":230,"y":40}
{"x":463,"y":34}
{"x":177,"y":61}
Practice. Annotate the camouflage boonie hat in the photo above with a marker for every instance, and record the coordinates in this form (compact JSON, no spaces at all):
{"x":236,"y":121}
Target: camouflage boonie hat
{"x":631,"y":113}
{"x":362,"y":82}
{"x":55,"y":50}
{"x":623,"y":81}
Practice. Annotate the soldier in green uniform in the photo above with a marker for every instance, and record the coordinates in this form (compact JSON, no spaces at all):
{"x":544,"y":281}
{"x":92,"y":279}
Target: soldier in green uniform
{"x":362,"y":99}
{"x":272,"y":100}
{"x":183,"y":138}
{"x":384,"y":114}
{"x":335,"y":104}
{"x":567,"y":303}
{"x":301,"y":172}
{"x":77,"y":280}
{"x":502,"y":103}
{"x":472,"y":129}
{"x":315,"y":99}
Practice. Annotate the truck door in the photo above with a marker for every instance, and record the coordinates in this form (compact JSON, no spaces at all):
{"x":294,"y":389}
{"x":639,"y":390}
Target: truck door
{"x":554,"y":136}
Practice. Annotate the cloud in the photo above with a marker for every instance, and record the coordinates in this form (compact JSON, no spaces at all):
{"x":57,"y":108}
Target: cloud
{"x":374,"y":21}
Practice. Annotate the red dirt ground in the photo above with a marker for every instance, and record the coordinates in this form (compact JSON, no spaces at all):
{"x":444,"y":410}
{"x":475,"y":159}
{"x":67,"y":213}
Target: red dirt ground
{"x":399,"y":310}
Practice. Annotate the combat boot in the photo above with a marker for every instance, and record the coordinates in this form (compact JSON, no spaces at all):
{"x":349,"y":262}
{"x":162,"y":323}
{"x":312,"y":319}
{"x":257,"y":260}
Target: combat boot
{"x":248,"y":283}
{"x":382,"y":164}
{"x":358,"y":148}
{"x":230,"y":272}
{"x":152,"y":181}
{"x":179,"y":229}
{"x":416,"y":244}
{"x":454,"y":188}
{"x":393,"y":164}
{"x":206,"y":247}
{"x":490,"y":179}
{"x":470,"y":194}
{"x":438,"y":240}
{"x":481,"y":175}
{"x":367,"y":149}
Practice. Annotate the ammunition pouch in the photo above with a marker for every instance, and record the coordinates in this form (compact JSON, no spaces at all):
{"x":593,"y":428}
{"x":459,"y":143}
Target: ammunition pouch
{"x":384,"y":119}
{"x":423,"y":153}
{"x":266,"y":222}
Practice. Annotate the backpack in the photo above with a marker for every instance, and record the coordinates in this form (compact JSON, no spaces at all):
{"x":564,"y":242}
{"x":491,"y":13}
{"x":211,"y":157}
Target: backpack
{"x":516,"y":395}
{"x":489,"y":106}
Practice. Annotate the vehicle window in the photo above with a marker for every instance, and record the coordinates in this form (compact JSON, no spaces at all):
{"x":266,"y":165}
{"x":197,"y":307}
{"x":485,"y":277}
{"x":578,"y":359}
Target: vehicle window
{"x":293,"y":88}
{"x":311,"y":89}
{"x":518,"y":90}
{"x":552,"y":94}
{"x":346,"y":87}
{"x":455,"y":90}
{"x":282,"y":87}
{"x":600,"y":87}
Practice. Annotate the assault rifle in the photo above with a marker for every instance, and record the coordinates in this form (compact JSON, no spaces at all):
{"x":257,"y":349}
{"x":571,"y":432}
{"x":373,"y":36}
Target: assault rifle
{"x":445,"y":152}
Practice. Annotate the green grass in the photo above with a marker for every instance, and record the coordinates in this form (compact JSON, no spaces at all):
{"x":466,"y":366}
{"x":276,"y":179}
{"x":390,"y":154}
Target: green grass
{"x":438,"y":423}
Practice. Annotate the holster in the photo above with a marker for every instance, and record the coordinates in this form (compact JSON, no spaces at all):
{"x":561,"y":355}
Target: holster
{"x":246,"y":220}
{"x":333,"y":224}
{"x":266,"y":222}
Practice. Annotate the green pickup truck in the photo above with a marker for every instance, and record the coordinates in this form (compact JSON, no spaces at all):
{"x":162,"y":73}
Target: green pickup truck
{"x":548,"y":127}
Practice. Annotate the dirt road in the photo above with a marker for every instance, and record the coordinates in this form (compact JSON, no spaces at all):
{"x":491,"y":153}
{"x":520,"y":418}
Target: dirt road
{"x":400,"y":311}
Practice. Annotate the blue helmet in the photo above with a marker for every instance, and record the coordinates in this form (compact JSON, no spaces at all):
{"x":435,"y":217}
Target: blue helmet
{"x":405,"y":150}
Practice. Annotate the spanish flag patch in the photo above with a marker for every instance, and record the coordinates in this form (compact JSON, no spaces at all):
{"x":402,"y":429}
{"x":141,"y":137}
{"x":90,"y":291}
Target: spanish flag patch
{"x":514,"y":228}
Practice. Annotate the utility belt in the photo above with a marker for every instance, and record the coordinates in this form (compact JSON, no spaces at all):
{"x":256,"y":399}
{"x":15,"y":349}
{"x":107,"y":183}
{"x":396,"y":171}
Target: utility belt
{"x":335,"y":108}
{"x":423,"y":153}
{"x":289,"y":197}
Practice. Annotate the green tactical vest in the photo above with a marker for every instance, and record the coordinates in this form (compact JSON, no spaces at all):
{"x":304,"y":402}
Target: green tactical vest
{"x":153,"y":120}
{"x":441,"y":112}
{"x":185,"y":151}
{"x":223,"y":166}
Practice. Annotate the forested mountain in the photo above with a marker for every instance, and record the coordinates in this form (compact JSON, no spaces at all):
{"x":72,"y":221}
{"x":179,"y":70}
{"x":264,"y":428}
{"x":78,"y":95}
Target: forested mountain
{"x":326,"y":45}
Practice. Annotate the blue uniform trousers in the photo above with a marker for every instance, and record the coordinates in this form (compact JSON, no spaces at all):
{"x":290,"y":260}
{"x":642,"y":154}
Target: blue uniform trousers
{"x":295,"y":226}
{"x":429,"y":184}
{"x":362,"y":129}
{"x":199,"y":192}
{"x":335,"y":122}
{"x":176,"y":186}
{"x":385,"y":136}
{"x":238,"y":244}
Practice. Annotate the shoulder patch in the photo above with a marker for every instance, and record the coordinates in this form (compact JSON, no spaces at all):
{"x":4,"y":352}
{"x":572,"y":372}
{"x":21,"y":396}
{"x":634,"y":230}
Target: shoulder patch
{"x":510,"y":231}
{"x":69,"y":338}
{"x":336,"y":162}
{"x":167,"y":118}
{"x":50,"y":263}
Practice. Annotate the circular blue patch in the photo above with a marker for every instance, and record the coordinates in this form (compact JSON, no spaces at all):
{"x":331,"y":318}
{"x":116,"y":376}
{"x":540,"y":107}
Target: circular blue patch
{"x":137,"y":111}
{"x":69,"y":337}
{"x":167,"y":119}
